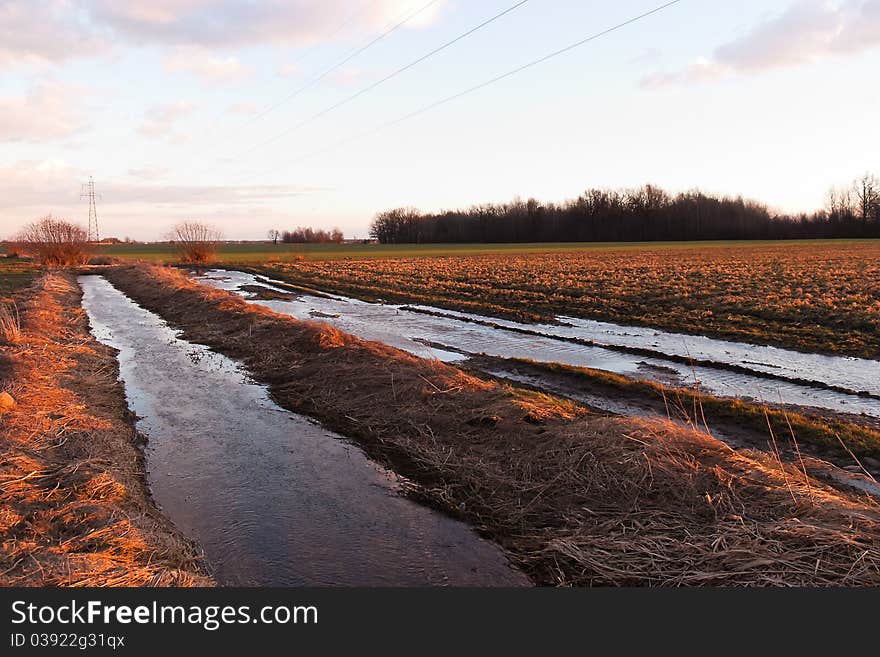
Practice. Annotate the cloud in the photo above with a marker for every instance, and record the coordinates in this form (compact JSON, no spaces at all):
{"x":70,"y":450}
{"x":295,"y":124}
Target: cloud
{"x":149,"y":173}
{"x":159,"y":121}
{"x":244,"y":107}
{"x":198,"y":195}
{"x":57,"y":183}
{"x":237,"y":23}
{"x":38,"y":187}
{"x":45,"y":31}
{"x":53,"y":31}
{"x":32,"y":188}
{"x":202,"y":63}
{"x":702,"y":70}
{"x":808,"y":31}
{"x":288,"y":70}
{"x":45,"y":113}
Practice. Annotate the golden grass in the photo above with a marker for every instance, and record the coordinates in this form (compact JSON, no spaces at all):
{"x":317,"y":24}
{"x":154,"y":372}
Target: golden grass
{"x":845,"y":440}
{"x":10,"y":321}
{"x":74,"y":509}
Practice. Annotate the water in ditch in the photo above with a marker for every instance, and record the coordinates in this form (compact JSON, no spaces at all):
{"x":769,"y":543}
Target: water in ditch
{"x":273,"y":499}
{"x":453,"y":336}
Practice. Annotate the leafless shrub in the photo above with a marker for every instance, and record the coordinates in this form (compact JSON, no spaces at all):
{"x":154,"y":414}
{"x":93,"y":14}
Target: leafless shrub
{"x":10,"y":322}
{"x":55,"y":242}
{"x":196,"y":242}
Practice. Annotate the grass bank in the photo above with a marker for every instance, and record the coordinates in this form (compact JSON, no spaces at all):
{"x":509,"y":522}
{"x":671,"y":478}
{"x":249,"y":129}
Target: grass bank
{"x":574,"y":498}
{"x":75,"y":507}
{"x":821,"y":432}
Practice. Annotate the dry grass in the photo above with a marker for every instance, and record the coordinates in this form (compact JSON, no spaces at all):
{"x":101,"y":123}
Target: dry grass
{"x":74,"y":509}
{"x":835,"y":436}
{"x":575,"y":499}
{"x":10,"y":322}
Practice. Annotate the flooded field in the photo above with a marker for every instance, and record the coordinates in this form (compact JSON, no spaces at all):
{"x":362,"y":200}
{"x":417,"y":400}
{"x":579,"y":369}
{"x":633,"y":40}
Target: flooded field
{"x":272,"y":497}
{"x":745,"y":371}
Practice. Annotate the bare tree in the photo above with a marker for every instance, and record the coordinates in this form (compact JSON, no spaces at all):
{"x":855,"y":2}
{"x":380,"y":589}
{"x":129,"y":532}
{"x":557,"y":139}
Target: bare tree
{"x":840,"y":203}
{"x":56,"y":242}
{"x":399,"y":226}
{"x":867,"y":196}
{"x":196,"y":242}
{"x":274,"y":235}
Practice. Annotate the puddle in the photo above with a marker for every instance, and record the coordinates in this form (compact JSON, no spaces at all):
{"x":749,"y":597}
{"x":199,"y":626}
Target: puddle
{"x":857,"y":374}
{"x":273,"y":499}
{"x":458,"y":336}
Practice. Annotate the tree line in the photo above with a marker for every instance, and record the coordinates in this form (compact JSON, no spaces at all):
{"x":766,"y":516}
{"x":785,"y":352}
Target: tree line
{"x":303,"y":235}
{"x":643,"y":214}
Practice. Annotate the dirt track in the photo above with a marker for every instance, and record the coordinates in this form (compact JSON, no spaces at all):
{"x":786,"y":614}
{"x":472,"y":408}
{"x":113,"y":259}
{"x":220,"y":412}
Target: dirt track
{"x":75,"y":509}
{"x":575,"y":499}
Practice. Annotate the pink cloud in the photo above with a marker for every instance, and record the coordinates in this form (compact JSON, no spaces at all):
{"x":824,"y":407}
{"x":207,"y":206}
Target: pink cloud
{"x":202,"y":63}
{"x":160,"y":121}
{"x":53,"y":31}
{"x":45,"y":31}
{"x":233,"y":23}
{"x":46,"y":112}
{"x":809,"y":31}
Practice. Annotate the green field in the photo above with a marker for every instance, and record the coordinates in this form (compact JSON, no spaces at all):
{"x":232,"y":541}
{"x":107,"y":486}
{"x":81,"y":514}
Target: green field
{"x":16,"y":274}
{"x":258,"y":252}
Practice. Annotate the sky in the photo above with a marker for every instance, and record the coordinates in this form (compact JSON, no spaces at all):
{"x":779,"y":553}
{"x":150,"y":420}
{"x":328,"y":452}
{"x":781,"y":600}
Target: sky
{"x":216,"y":110}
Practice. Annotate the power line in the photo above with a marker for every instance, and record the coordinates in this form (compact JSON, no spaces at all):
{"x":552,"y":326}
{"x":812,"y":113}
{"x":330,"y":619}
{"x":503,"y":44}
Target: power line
{"x":303,"y":55}
{"x":211,"y":129}
{"x":390,"y":27}
{"x":491,"y":81}
{"x":327,"y":37}
{"x":341,"y":63}
{"x":388,"y":77}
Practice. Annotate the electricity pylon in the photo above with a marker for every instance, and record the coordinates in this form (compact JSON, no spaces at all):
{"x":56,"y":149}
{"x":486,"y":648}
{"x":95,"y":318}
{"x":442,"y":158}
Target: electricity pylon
{"x":88,"y":192}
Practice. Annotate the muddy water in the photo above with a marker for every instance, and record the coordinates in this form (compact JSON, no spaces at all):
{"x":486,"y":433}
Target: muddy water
{"x":272,"y":498}
{"x":458,"y":336}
